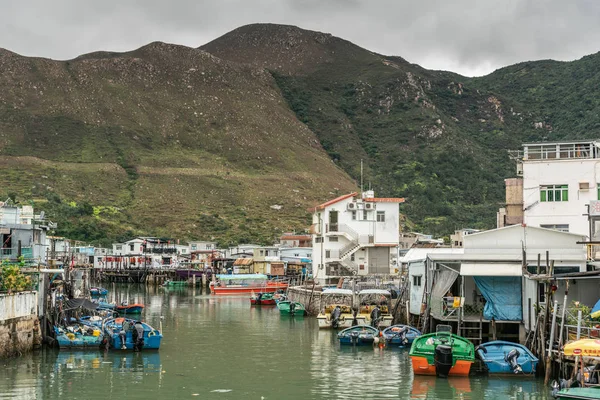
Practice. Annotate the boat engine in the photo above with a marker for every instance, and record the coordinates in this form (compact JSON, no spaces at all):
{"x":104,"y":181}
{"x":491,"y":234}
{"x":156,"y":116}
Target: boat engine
{"x":511,"y":359}
{"x":354,"y":337}
{"x":375,"y":317}
{"x":292,"y":308}
{"x":335,"y":317}
{"x":443,"y":360}
{"x":402,"y":335}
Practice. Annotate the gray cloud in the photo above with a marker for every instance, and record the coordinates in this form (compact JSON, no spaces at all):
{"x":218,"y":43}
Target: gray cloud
{"x":471,"y":37}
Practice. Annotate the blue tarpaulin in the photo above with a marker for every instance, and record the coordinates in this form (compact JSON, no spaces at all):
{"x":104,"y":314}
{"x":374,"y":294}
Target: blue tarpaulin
{"x":503,"y":297}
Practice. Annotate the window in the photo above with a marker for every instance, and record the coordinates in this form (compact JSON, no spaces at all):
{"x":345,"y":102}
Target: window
{"x":118,"y":247}
{"x":296,"y":255}
{"x":262,"y":252}
{"x":554,"y":193}
{"x":354,"y":211}
{"x":456,"y":242}
{"x":380,"y":216}
{"x":267,"y":253}
{"x":364,"y":215}
{"x":327,"y":253}
{"x":557,"y":227}
{"x":417,"y":280}
{"x":333,"y":238}
{"x":194,"y":246}
{"x":352,"y":257}
{"x":319,"y":239}
{"x":131,"y":247}
{"x":208,"y":246}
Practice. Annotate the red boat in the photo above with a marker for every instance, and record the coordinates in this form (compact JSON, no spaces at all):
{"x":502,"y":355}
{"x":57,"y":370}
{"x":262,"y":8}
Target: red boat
{"x":263,"y":299}
{"x":245,"y":283}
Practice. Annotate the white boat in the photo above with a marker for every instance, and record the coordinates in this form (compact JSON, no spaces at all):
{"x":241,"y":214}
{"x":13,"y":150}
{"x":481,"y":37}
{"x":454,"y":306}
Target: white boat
{"x":375,"y":303}
{"x":338,"y":311}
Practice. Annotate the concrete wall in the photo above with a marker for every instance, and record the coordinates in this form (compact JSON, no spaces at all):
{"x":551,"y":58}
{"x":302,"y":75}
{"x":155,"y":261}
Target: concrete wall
{"x":19,"y":327}
{"x":560,"y":172}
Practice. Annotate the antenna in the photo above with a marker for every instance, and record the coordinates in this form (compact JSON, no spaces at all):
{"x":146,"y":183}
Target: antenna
{"x":361,"y":176}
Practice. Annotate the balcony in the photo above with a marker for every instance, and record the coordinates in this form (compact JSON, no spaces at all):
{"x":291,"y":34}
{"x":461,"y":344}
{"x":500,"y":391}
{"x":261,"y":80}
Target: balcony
{"x":557,"y":151}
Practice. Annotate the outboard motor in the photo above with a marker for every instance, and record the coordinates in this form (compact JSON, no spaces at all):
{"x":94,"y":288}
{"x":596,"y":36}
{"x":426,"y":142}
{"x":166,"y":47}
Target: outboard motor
{"x":354,"y":337}
{"x":443,"y":360}
{"x":292,"y":308}
{"x":375,"y":317}
{"x":258,"y":298}
{"x":335,"y":317}
{"x":402,"y":335}
{"x":511,"y":359}
{"x":122,"y":336}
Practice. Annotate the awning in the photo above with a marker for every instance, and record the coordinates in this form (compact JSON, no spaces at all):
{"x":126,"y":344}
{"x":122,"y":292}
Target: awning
{"x":490,"y":269}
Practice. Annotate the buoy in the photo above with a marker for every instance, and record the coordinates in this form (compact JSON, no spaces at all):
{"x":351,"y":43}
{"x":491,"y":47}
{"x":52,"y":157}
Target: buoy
{"x":376,"y":340}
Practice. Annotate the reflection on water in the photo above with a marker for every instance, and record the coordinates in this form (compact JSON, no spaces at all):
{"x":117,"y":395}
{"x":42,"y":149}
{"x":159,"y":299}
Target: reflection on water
{"x":222,"y":348}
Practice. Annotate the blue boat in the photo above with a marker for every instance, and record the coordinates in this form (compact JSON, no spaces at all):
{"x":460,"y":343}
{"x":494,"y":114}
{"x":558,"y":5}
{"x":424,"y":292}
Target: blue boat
{"x":98,"y":291}
{"x":401,"y":335}
{"x":78,"y":336}
{"x":120,"y":338}
{"x":359,"y":335}
{"x":502,"y":357}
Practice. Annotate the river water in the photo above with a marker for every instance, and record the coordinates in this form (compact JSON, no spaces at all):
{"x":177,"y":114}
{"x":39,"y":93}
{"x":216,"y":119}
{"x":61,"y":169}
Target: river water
{"x":222,"y":348}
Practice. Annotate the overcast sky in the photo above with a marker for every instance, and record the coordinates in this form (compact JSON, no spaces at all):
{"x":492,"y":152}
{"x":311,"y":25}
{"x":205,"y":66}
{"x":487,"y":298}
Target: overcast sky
{"x":471,"y":37}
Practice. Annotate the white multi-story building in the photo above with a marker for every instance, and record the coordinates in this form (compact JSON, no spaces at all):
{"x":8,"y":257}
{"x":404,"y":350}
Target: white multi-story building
{"x":355,"y":235}
{"x":559,"y":181}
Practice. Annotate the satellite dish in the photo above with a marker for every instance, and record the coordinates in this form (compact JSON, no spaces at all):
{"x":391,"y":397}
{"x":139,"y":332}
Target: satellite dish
{"x":42,"y":215}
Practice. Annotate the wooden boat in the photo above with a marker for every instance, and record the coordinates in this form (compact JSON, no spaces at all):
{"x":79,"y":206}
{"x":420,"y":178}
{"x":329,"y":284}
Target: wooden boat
{"x":120,"y":338}
{"x":502,"y":357}
{"x":246,"y":284}
{"x":359,"y":335}
{"x":291,"y":308}
{"x":442,"y":354}
{"x":98,"y":291}
{"x":125,"y":308}
{"x":336,"y":314}
{"x":578,"y":393}
{"x":263,"y":299}
{"x":401,"y":335}
{"x":374,"y":308}
{"x":78,"y":336}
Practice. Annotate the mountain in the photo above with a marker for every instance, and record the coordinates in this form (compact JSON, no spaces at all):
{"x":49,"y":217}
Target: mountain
{"x":200,"y":143}
{"x":163,"y":140}
{"x":435,"y":137}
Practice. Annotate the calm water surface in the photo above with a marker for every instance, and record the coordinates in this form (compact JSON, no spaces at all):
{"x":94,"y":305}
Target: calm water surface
{"x":221,"y":348}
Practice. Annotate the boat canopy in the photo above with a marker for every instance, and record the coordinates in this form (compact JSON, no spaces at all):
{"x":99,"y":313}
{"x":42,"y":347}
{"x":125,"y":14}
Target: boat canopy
{"x":347,"y":292}
{"x":242,"y":276}
{"x":374,"y":291}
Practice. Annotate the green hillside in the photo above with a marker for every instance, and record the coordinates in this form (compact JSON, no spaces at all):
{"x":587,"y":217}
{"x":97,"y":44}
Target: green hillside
{"x":436,"y":138}
{"x":200,"y":143}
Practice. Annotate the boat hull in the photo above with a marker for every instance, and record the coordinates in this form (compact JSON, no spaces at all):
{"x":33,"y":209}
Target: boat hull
{"x":325,"y":322}
{"x":267,"y":302}
{"x":578,"y":393}
{"x":132,"y":309}
{"x":188,"y":273}
{"x":493,"y":356}
{"x":392,"y":336}
{"x":422,"y":367}
{"x":233,"y":290}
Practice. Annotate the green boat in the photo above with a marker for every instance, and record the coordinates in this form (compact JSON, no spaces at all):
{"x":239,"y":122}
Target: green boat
{"x":579,"y":393}
{"x":442,"y":353}
{"x":291,"y":308}
{"x":175,"y":283}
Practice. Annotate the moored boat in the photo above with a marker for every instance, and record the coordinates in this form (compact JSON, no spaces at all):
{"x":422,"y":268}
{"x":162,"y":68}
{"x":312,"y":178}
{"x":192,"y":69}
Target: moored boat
{"x":291,"y":308}
{"x":337,"y":313}
{"x":174,"y":283}
{"x":245,"y":284}
{"x":401,"y":335}
{"x":98,"y":291}
{"x":502,"y":357}
{"x":262,"y":299}
{"x":578,"y":393}
{"x":126,"y":308}
{"x":122,"y":334}
{"x":359,"y":335}
{"x":374,"y":308}
{"x":78,"y":336}
{"x":442,"y":353}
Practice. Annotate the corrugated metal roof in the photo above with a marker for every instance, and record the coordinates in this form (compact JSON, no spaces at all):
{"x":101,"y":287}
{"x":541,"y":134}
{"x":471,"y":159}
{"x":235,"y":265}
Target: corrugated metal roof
{"x":243,"y":261}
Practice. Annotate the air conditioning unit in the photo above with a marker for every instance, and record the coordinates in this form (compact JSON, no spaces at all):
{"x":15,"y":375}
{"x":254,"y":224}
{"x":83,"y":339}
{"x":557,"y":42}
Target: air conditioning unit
{"x":352,"y":206}
{"x":519,"y":169}
{"x":369,"y":206}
